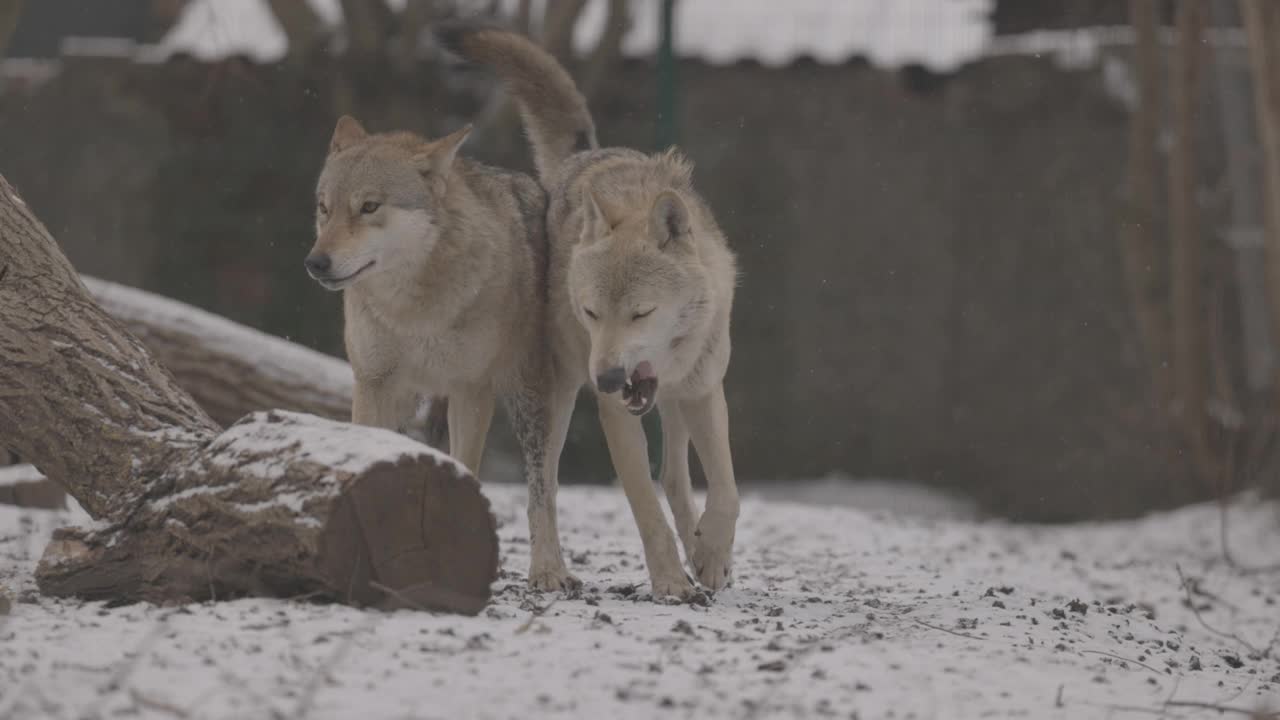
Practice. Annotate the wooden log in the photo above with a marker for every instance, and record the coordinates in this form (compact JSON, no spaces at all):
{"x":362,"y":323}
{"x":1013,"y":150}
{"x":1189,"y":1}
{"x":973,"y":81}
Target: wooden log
{"x":286,"y":504}
{"x":280,"y":504}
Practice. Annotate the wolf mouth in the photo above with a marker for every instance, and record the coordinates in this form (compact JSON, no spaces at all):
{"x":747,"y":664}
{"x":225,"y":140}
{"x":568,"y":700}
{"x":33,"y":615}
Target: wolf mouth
{"x":641,"y":390}
{"x":339,"y":283}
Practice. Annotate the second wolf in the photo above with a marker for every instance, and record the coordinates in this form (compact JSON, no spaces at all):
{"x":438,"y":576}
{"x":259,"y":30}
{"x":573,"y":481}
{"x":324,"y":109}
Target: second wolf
{"x":641,"y":288}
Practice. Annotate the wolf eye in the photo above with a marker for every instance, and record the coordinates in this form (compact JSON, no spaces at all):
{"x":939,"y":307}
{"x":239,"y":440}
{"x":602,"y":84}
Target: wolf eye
{"x":643,"y":314}
{"x":370,"y":207}
{"x":591,"y":314}
{"x":322,"y":208}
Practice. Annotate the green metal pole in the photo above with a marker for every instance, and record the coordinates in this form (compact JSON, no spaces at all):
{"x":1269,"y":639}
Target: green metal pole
{"x":666,"y":120}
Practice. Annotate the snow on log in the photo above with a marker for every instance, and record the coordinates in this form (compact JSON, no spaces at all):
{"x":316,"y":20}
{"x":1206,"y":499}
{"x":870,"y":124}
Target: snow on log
{"x":281,"y":503}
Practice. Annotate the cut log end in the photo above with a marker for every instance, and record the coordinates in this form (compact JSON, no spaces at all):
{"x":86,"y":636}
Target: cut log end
{"x":412,"y":535}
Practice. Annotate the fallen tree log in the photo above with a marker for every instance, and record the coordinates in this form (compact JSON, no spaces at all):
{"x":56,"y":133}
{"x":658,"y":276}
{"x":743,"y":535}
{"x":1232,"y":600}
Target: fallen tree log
{"x":232,"y":370}
{"x":280,"y":504}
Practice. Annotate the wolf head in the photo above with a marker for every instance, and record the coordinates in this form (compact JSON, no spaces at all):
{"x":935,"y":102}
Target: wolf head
{"x":378,"y":202}
{"x":636,"y":284}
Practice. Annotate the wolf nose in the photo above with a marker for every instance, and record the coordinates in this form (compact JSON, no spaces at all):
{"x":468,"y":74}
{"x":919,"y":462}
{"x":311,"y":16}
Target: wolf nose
{"x":318,"y":263}
{"x":611,"y":381}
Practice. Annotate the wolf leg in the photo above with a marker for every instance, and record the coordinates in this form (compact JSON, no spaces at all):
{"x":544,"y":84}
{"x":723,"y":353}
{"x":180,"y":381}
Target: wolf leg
{"x":708,"y":420}
{"x":540,"y":419}
{"x":629,"y":451}
{"x":384,"y":403}
{"x":470,"y":412}
{"x":675,"y":473}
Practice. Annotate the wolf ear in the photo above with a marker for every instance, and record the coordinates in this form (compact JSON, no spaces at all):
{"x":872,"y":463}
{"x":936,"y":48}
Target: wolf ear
{"x":595,"y":224}
{"x":347,"y":133}
{"x":668,"y":219}
{"x":437,"y":158}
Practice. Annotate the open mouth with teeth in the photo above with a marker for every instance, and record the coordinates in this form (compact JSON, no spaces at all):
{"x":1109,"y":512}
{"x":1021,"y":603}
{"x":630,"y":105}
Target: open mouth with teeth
{"x":641,"y":389}
{"x":338,"y":283}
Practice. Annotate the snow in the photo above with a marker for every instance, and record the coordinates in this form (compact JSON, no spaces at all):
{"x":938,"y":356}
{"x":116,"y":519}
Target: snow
{"x":263,"y":446}
{"x":835,"y":611}
{"x":341,"y":447}
{"x":18,"y":474}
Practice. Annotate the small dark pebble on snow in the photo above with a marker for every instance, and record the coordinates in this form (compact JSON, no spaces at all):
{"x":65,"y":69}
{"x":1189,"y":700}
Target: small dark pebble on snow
{"x":1234,"y":661}
{"x":772,"y":666}
{"x":1076,"y":606}
{"x":1195,"y":663}
{"x":683,"y":627}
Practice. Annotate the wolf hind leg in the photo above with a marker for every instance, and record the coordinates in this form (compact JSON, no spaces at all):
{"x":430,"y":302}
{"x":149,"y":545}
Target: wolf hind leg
{"x":540,"y":420}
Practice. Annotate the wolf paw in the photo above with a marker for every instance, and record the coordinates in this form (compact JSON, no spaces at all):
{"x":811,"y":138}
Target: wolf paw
{"x":553,"y":579}
{"x":677,"y":586}
{"x":712,"y":557}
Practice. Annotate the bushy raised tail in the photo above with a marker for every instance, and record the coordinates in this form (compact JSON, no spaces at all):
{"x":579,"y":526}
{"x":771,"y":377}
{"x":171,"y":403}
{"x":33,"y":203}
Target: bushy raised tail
{"x":554,"y":112}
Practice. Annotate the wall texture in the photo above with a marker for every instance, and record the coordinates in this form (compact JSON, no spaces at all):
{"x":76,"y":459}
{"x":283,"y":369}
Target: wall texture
{"x":931,"y":283}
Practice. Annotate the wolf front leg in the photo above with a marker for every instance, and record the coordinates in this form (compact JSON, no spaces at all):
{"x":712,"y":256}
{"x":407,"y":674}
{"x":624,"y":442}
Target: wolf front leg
{"x":470,"y":413}
{"x":540,"y":420}
{"x":630,"y":455}
{"x":386,"y":402}
{"x":675,"y":473}
{"x":708,"y":420}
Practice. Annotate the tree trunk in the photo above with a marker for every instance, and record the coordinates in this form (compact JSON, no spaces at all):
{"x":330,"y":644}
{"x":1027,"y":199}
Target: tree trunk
{"x":281,"y":503}
{"x":303,"y":28}
{"x":604,"y":59}
{"x":1141,"y":260}
{"x":1262,"y":23}
{"x":367,"y":23}
{"x":1246,"y":237}
{"x":558,"y":22}
{"x":1189,"y":345}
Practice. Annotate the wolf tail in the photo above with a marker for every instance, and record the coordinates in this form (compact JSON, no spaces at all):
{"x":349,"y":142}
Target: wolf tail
{"x":555,"y":114}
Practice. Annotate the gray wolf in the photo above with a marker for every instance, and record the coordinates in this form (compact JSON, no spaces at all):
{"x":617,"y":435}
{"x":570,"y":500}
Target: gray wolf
{"x":442,"y":265}
{"x":641,"y":284}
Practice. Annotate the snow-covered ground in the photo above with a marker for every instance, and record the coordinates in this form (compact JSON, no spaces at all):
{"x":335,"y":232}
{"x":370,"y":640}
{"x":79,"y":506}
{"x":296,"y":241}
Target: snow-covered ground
{"x":836,"y":612}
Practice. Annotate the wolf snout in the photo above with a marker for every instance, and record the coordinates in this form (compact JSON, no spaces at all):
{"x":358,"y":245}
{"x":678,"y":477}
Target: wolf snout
{"x":318,"y":263}
{"x":611,"y":381}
